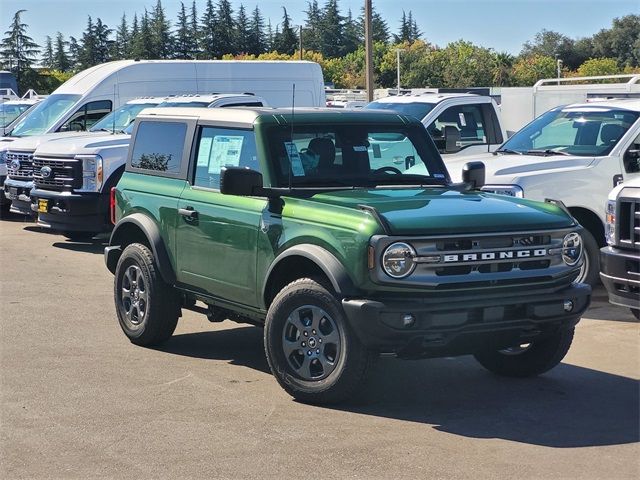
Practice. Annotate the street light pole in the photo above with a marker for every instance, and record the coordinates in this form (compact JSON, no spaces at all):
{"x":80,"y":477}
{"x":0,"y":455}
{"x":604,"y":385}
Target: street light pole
{"x":398,"y":50}
{"x":368,"y":46}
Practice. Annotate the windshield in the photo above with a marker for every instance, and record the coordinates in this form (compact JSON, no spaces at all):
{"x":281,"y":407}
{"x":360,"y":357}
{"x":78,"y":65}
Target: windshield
{"x":45,"y":115}
{"x":120,"y":119}
{"x":8,"y":113}
{"x":354,"y":156}
{"x":588,"y":132}
{"x":417,"y":110}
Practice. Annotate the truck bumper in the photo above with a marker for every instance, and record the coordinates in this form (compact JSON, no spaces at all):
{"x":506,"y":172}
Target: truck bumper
{"x":420,"y":327}
{"x":17,"y":192}
{"x":620,"y":274}
{"x":70,"y":212}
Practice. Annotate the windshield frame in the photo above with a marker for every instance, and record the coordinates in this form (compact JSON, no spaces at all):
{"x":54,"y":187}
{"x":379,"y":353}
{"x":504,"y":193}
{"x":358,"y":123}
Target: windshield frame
{"x":73,"y":99}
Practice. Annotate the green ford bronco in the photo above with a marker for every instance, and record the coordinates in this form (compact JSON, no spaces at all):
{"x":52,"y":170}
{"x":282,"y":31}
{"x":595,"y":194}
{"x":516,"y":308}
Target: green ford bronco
{"x":306,"y":222}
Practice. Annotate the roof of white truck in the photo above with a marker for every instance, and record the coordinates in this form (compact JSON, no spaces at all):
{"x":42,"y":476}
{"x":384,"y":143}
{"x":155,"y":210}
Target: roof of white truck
{"x":626,"y":103}
{"x":426,"y":97}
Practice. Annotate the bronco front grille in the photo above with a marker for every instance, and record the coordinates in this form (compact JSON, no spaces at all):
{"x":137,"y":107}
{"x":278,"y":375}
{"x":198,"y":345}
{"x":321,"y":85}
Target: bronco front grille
{"x":629,"y":222}
{"x":53,"y":173}
{"x":20,"y":165}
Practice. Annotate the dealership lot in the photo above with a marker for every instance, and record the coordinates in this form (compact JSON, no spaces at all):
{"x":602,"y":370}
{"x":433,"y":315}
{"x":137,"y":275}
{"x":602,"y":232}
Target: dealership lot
{"x":80,"y":401}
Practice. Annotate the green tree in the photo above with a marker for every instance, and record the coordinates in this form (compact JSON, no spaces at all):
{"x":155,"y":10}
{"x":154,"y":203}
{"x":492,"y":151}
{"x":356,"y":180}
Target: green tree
{"x":74,"y":52}
{"x":352,"y":39}
{"x":502,"y":69}
{"x":88,"y":48}
{"x":379,"y":27}
{"x":61,"y":61}
{"x":18,"y":51}
{"x":243,"y":30}
{"x":286,"y":39}
{"x":331,"y":30}
{"x":549,"y":43}
{"x":103,"y":44}
{"x":528,"y":70}
{"x":183,"y":47}
{"x":311,"y":32}
{"x":208,"y":37}
{"x":142,"y":47}
{"x":599,"y":66}
{"x":225,"y":29}
{"x":161,"y":41}
{"x":621,"y":41}
{"x":47,"y":53}
{"x":194,"y":31}
{"x":121,"y":48}
{"x":257,"y":41}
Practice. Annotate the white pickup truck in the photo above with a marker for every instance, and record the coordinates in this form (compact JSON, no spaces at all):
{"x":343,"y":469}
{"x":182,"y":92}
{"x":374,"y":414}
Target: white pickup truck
{"x":575,"y":154}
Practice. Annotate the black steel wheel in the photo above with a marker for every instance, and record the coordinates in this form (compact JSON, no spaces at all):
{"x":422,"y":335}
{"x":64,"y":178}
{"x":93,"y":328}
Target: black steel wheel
{"x":147,"y":307}
{"x":311,"y":349}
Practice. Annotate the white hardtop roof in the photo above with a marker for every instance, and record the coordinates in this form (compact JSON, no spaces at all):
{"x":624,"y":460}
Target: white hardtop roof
{"x":238,"y":115}
{"x":625,"y":103}
{"x":24,"y":101}
{"x":426,"y":97}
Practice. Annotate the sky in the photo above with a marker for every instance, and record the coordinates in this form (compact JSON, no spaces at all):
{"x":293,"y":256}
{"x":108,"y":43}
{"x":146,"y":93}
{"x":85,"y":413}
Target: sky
{"x":503,"y":25}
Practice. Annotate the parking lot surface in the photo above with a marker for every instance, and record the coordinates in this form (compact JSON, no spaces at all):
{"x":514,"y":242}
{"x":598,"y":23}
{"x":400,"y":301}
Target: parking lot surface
{"x":80,"y":401}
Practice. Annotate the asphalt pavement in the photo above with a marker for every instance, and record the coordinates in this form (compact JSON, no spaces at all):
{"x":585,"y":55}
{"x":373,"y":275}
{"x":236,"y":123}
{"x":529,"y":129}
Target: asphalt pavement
{"x":79,"y":401}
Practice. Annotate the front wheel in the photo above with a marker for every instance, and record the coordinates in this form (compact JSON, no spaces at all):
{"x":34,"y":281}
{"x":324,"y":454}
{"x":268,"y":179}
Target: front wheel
{"x":589,"y":273}
{"x":147,"y":307}
{"x":310,"y":347}
{"x":529,"y":359}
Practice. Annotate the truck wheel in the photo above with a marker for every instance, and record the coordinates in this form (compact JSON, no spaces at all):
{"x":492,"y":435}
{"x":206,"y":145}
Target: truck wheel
{"x":79,"y":236}
{"x":147,"y":307}
{"x":530,"y":359}
{"x":589,"y":273}
{"x":310,"y":347}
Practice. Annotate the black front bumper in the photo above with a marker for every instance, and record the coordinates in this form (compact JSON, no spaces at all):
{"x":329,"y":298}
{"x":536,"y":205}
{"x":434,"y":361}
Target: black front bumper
{"x":17,"y":192}
{"x":620,"y":274}
{"x":455,"y":326}
{"x":71,"y":212}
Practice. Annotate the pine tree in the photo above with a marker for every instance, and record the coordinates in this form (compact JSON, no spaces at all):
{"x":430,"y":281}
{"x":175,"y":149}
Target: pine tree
{"x":379,"y":27}
{"x":208,"y":31}
{"x":17,"y":49}
{"x":257,"y":41}
{"x":352,"y":37}
{"x":311,"y":32}
{"x":286,"y":40}
{"x":414,"y":31}
{"x":194,"y":31}
{"x":409,"y":31}
{"x":161,"y":41}
{"x":142,"y":47}
{"x":61,"y":60}
{"x":87,"y":54}
{"x":183,"y":47}
{"x":270,"y":36}
{"x":331,"y":30}
{"x":133,"y":38}
{"x":123,"y":37}
{"x":243,"y":31}
{"x":74,"y":52}
{"x":103,"y":44}
{"x":225,"y":29}
{"x":47,"y":54}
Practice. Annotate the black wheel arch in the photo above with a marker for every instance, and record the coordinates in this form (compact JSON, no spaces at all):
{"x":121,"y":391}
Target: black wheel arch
{"x":309,"y":259}
{"x":138,"y":227}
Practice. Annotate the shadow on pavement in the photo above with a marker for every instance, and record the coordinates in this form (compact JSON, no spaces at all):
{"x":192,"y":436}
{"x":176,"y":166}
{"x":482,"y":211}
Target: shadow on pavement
{"x":95,"y":246}
{"x":568,"y":407}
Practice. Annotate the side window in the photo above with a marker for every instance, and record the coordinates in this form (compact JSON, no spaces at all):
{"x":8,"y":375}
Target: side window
{"x":220,"y":147}
{"x":158,"y":146}
{"x":467,"y":119}
{"x":86,"y":116}
{"x":631,"y":157}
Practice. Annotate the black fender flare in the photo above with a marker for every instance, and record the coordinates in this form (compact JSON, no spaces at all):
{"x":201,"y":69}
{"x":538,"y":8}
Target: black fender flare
{"x":325,"y":260}
{"x":151,"y":231}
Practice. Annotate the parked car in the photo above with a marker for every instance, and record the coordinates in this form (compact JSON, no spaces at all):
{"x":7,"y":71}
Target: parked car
{"x":283,"y":218}
{"x":73,"y":176}
{"x":620,"y":259}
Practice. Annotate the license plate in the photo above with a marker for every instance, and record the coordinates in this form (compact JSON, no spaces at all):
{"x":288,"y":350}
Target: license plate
{"x":43,"y":206}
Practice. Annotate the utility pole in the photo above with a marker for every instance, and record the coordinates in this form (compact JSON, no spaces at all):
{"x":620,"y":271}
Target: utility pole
{"x":368,"y":46}
{"x":300,"y":42}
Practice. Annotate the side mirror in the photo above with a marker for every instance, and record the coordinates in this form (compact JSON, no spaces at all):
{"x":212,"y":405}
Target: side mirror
{"x":240,"y":181}
{"x":631,"y":161}
{"x":473,"y":175}
{"x":451,"y":139}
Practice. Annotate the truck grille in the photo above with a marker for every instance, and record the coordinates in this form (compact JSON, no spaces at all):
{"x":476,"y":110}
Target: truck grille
{"x":20,"y":165}
{"x":629,"y":222}
{"x":57,"y":173}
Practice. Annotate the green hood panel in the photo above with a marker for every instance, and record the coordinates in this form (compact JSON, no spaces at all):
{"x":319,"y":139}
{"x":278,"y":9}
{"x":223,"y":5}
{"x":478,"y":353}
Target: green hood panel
{"x":437,"y":211}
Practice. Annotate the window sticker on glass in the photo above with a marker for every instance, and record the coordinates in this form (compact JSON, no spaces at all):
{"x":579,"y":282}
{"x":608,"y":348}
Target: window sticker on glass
{"x":225,"y":151}
{"x":294,"y":158}
{"x":359,"y":148}
{"x":463,"y":121}
{"x":204,"y":152}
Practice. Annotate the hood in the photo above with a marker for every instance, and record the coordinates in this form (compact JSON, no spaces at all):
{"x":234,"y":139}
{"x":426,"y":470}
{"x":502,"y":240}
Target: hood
{"x":437,"y":211}
{"x":87,"y":145}
{"x":504,"y":168}
{"x":29,"y":144}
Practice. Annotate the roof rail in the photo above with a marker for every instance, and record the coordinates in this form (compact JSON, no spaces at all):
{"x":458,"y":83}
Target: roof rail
{"x":631,"y":79}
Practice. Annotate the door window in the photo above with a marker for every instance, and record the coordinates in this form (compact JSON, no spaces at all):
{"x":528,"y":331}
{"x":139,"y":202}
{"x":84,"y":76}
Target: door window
{"x":467,"y":119}
{"x":631,"y":158}
{"x":86,"y":116}
{"x":220,"y":147}
{"x":158,"y":146}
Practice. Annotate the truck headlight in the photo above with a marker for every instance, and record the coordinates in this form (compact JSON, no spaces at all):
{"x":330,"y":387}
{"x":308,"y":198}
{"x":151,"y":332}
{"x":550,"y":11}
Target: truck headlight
{"x":398,"y":260}
{"x":510,"y":190}
{"x":572,"y":248}
{"x":91,"y":172}
{"x":610,"y":222}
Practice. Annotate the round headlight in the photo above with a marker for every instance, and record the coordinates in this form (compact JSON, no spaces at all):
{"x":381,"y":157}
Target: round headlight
{"x":572,"y":249}
{"x":398,"y":260}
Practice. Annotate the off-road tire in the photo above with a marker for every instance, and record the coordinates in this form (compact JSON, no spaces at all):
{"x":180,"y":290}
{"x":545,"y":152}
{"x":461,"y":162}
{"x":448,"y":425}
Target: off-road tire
{"x":162,"y":303}
{"x":541,"y":356}
{"x":351,"y":364}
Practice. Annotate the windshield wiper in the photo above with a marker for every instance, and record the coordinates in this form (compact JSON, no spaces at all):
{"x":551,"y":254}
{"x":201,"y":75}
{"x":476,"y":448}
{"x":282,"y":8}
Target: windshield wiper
{"x":547,"y":152}
{"x":508,"y":151}
{"x":406,"y":179}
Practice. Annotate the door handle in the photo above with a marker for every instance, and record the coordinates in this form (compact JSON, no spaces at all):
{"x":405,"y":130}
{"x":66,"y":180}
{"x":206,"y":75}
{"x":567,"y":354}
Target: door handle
{"x":188,"y":213}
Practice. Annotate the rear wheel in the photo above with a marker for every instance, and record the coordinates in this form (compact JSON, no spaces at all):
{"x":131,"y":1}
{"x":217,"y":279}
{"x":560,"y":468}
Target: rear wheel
{"x":147,"y":307}
{"x":310,"y":346}
{"x":527,"y":360}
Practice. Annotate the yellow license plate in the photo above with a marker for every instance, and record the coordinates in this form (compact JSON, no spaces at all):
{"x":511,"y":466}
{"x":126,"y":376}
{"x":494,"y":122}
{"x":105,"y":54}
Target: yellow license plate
{"x":42,"y":206}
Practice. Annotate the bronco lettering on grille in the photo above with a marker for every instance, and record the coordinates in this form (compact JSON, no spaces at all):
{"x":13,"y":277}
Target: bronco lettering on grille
{"x":489,"y":256}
